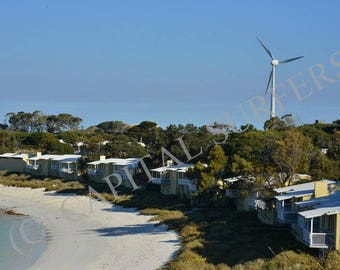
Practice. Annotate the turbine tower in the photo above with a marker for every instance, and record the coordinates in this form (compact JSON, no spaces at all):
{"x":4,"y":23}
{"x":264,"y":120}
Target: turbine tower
{"x":274,"y":64}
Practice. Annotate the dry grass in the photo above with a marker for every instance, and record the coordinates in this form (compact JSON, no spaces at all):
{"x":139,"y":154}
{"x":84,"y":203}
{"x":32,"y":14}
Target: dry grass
{"x":253,"y":265}
{"x":290,"y":260}
{"x":332,"y":261}
{"x":188,"y":260}
{"x":163,"y":215}
{"x":24,"y":180}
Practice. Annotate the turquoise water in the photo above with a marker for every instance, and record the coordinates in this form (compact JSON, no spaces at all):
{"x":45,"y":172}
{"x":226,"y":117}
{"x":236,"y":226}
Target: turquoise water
{"x":21,"y":242}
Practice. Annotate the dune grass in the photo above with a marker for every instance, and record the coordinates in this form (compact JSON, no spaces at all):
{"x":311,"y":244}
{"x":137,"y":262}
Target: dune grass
{"x":50,"y":184}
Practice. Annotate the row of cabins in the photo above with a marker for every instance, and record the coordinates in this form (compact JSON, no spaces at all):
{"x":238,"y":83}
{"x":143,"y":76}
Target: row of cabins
{"x":66,"y":166}
{"x":171,"y":178}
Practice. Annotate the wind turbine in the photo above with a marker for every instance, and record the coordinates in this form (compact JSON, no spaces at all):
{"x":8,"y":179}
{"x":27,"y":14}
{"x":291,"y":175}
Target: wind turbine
{"x":274,"y":64}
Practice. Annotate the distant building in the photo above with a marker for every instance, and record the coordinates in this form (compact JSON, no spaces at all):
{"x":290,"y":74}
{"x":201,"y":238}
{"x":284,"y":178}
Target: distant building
{"x":245,"y":202}
{"x":173,"y":180}
{"x":301,"y":177}
{"x":13,"y":162}
{"x":324,"y":150}
{"x":60,"y":166}
{"x":141,"y":142}
{"x":80,"y":146}
{"x":99,"y":169}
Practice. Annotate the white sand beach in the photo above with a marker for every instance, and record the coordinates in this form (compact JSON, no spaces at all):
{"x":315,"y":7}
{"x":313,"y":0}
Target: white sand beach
{"x":90,"y":234}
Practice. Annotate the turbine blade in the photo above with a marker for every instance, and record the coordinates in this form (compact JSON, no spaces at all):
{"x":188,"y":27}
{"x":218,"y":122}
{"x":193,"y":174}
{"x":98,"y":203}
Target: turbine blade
{"x":290,"y":60}
{"x":269,"y":80}
{"x":266,"y":49}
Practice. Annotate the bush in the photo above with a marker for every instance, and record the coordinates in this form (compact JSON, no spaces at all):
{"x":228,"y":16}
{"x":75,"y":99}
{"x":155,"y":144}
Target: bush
{"x":188,"y":260}
{"x":258,"y":264}
{"x":332,"y":260}
{"x":25,"y":180}
{"x":290,"y":260}
{"x":162,"y":215}
{"x":190,"y":232}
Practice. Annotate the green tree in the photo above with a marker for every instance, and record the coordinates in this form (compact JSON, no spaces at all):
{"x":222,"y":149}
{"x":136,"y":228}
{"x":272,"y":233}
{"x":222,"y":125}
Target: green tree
{"x":3,"y":126}
{"x":206,"y":181}
{"x":115,"y":127}
{"x":62,"y":122}
{"x":38,"y":121}
{"x":210,"y":175}
{"x":68,"y":122}
{"x":124,"y":147}
{"x":217,"y":160}
{"x":322,"y":167}
{"x":52,"y":124}
{"x":319,"y":138}
{"x":145,"y":130}
{"x":292,"y":154}
{"x":50,"y":143}
{"x":274,"y":123}
{"x":8,"y":142}
{"x":334,"y":146}
{"x":20,"y":121}
{"x":247,"y":127}
{"x":71,"y":137}
{"x":241,"y":166}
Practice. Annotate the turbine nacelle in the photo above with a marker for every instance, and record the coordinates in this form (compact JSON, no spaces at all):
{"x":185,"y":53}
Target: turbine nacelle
{"x":275,"y":62}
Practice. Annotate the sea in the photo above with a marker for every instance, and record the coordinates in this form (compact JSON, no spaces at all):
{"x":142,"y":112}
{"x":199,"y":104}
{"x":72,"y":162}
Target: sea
{"x":22,"y":240}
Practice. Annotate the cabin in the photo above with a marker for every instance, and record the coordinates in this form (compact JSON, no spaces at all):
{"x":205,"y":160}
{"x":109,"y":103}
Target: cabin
{"x":13,"y":162}
{"x":313,"y":211}
{"x":319,"y":222}
{"x":235,"y":191}
{"x":266,"y":211}
{"x":286,"y":198}
{"x":173,"y":180}
{"x":39,"y":165}
{"x":66,"y":166}
{"x":102,"y":168}
{"x":60,"y":166}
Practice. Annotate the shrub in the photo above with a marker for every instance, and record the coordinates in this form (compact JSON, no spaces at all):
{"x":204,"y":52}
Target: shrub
{"x":188,"y":260}
{"x":290,"y":260}
{"x":332,"y":260}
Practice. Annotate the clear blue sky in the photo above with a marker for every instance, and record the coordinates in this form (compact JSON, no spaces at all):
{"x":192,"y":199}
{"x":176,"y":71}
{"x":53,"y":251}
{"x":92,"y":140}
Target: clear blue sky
{"x":175,"y":61}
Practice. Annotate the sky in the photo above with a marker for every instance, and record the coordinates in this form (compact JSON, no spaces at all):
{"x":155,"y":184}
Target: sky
{"x":172,"y":62}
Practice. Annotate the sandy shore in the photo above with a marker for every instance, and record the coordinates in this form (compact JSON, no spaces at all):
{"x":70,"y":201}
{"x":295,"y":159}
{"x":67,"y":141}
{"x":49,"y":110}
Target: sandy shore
{"x":91,"y":234}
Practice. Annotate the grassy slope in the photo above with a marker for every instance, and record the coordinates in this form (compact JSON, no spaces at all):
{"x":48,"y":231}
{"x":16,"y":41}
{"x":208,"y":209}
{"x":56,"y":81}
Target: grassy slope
{"x":212,"y":238}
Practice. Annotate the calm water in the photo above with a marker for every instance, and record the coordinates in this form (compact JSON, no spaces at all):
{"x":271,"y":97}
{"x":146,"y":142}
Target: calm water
{"x":21,"y":242}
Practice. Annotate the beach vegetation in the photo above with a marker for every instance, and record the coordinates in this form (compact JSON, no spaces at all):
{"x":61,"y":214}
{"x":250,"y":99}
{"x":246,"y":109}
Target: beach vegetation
{"x":49,"y":184}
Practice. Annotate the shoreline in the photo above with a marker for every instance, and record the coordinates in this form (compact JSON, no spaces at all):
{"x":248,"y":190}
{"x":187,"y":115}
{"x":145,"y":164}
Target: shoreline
{"x":84,"y":233}
{"x":22,"y":240}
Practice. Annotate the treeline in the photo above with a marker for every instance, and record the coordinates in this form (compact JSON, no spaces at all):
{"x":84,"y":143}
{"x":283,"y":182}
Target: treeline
{"x":271,"y":158}
{"x":267,"y":157}
{"x":111,"y":138}
{"x":39,"y":122}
